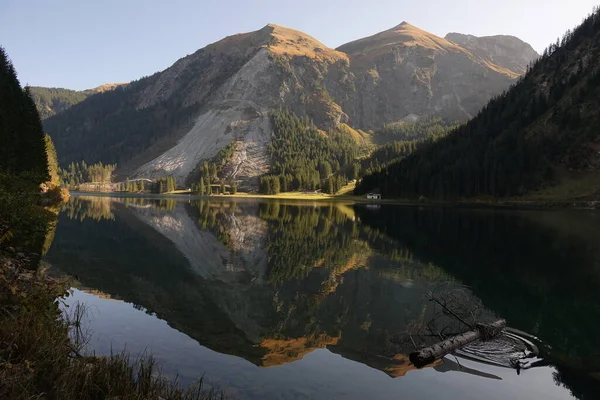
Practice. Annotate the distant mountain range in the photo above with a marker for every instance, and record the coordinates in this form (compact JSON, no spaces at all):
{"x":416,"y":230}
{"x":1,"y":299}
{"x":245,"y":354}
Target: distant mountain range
{"x":170,"y":122}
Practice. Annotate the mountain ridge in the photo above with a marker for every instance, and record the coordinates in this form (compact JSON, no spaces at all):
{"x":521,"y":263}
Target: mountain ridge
{"x":52,"y":100}
{"x":170,"y":122}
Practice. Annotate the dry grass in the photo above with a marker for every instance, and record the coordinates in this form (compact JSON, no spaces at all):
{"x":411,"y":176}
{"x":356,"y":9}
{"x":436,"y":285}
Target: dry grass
{"x":405,"y":34}
{"x":291,"y":42}
{"x":107,"y":86}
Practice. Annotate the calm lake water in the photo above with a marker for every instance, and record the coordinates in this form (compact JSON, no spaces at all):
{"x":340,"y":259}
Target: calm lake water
{"x":284,"y":300}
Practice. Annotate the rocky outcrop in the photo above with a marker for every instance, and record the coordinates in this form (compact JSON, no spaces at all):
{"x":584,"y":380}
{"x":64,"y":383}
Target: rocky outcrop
{"x":240,"y":121}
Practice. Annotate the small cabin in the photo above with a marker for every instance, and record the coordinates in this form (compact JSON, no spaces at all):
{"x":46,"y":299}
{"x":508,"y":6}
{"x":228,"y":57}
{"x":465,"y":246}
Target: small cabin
{"x":374,"y":196}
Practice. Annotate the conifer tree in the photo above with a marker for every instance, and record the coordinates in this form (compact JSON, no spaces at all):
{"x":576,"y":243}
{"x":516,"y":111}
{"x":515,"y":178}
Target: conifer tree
{"x":52,"y":161}
{"x":201,"y":187}
{"x":22,"y":142}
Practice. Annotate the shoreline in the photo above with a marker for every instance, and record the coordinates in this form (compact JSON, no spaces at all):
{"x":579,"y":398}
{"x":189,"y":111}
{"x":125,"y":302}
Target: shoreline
{"x":297,"y":196}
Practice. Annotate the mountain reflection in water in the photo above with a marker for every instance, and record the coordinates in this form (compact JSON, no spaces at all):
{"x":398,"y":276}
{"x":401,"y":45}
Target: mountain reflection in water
{"x":291,"y":287}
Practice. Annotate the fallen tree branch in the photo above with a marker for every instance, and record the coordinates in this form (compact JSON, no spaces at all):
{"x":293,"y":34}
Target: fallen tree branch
{"x":432,"y":298}
{"x":429,"y":354}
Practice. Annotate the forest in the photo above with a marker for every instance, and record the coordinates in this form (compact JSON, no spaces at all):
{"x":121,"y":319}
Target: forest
{"x":401,"y":139}
{"x":521,"y":140}
{"x":304,"y":158}
{"x":411,"y":131}
{"x":50,"y":101}
{"x":79,"y":172}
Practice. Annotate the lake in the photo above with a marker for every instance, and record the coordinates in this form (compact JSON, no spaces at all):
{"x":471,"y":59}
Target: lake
{"x":317,"y":300}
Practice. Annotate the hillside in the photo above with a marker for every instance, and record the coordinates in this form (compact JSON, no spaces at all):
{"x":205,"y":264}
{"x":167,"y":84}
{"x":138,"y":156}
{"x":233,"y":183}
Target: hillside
{"x":222,"y":95}
{"x":51,"y":101}
{"x":541,"y":132}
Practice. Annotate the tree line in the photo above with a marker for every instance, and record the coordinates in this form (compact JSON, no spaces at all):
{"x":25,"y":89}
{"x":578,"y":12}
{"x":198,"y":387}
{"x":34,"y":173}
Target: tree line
{"x":78,"y":173}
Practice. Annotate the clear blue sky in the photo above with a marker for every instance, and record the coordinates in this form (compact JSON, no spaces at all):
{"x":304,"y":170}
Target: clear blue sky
{"x":80,"y":44}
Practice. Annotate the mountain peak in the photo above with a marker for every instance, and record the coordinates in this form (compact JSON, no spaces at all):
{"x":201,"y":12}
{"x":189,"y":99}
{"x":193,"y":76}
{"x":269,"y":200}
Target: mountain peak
{"x":291,"y":42}
{"x":403,"y":34}
{"x":279,"y":40}
{"x":401,"y":24}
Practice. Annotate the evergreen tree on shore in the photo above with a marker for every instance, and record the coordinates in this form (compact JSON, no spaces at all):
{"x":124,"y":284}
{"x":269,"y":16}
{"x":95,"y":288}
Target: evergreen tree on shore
{"x":22,"y":143}
{"x":52,"y":161}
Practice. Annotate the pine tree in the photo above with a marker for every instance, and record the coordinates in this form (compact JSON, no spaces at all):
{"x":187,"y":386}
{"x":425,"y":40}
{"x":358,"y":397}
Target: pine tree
{"x":233,"y":186}
{"x":201,"y":187}
{"x":22,"y":141}
{"x":52,"y":161}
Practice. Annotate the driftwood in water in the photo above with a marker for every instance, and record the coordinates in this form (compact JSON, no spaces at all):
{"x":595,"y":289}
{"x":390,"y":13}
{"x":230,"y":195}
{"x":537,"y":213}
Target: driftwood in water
{"x":429,"y":354}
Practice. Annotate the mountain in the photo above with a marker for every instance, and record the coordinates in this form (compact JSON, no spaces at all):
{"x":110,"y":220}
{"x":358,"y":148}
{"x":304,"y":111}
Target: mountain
{"x":541,"y":132}
{"x":405,"y":70}
{"x":507,"y":51}
{"x":219,"y":99}
{"x":51,"y":101}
